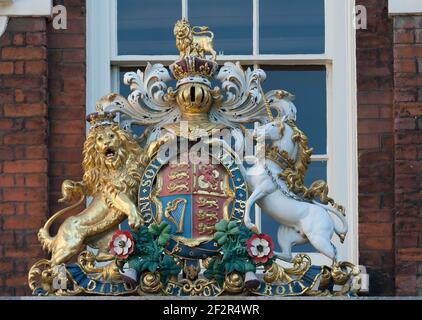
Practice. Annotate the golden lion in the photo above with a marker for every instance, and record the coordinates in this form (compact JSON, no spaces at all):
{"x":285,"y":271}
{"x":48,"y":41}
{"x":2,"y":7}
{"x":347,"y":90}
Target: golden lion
{"x":112,"y":172}
{"x":193,"y":42}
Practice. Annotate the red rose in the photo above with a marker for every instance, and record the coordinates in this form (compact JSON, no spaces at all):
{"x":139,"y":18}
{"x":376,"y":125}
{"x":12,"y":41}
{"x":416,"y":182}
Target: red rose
{"x":121,"y":244}
{"x":260,"y":248}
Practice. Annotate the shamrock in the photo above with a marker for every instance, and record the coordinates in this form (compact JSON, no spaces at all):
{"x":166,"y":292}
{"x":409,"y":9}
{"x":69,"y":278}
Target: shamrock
{"x":224,"y":229}
{"x":161,"y":232}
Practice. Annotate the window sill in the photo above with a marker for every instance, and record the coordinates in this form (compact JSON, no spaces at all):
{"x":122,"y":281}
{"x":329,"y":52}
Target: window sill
{"x":405,"y":7}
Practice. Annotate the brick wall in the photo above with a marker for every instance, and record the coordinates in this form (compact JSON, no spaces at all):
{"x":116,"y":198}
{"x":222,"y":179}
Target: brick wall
{"x":66,"y":84}
{"x":376,"y":147}
{"x":408,"y":153}
{"x":42,"y":130}
{"x":23,"y":149}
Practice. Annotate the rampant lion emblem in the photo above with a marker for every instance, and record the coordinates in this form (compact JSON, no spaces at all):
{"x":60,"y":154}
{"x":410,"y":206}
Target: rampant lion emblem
{"x":193,"y":40}
{"x":112,"y":173}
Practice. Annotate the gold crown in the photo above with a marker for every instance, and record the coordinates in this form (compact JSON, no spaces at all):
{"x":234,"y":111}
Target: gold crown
{"x":194,"y":69}
{"x":101,"y":118}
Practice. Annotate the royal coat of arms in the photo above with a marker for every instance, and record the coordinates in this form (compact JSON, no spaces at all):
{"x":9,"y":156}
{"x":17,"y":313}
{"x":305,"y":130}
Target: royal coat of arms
{"x":169,"y":210}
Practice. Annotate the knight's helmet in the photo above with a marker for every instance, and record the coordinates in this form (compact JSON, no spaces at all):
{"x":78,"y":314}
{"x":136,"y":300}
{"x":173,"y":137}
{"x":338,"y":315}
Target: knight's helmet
{"x":194,"y":94}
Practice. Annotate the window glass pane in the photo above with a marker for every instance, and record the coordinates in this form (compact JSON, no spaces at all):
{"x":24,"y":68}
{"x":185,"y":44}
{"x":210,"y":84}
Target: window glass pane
{"x":289,"y":27}
{"x":316,"y":171}
{"x":308,"y":84}
{"x":230,"y":20}
{"x":146,"y":27}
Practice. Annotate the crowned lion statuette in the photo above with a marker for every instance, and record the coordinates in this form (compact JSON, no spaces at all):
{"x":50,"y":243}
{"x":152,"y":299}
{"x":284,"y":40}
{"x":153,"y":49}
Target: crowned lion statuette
{"x":169,"y":196}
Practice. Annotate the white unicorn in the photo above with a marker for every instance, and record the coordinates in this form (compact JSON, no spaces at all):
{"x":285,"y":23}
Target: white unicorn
{"x":301,"y":221}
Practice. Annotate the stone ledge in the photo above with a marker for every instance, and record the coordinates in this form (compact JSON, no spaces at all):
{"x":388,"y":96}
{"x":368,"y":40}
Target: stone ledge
{"x":405,"y":7}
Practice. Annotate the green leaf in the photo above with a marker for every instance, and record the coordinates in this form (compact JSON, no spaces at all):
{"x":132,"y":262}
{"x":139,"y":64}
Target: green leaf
{"x":168,"y":267}
{"x":152,"y":267}
{"x":239,"y":266}
{"x":143,"y":234}
{"x":222,"y":225}
{"x":234,"y":231}
{"x":249,"y":267}
{"x":230,"y":267}
{"x":161,"y":232}
{"x":231,"y":225}
{"x":222,"y":240}
{"x":144,"y":265}
{"x":135,"y":263}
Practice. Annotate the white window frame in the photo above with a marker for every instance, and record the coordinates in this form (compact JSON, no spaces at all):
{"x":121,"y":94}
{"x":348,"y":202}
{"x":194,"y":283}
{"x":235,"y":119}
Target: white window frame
{"x":103,"y":65}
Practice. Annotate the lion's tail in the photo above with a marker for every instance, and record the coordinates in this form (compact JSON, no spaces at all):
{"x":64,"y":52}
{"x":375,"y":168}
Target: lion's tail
{"x":202,"y":30}
{"x":44,"y":233}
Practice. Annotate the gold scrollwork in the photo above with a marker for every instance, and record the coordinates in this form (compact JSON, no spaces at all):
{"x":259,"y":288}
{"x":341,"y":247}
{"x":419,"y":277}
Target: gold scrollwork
{"x":234,"y":283}
{"x":150,"y":283}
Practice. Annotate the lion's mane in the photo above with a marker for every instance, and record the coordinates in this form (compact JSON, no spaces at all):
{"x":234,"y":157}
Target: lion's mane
{"x":123,"y":177}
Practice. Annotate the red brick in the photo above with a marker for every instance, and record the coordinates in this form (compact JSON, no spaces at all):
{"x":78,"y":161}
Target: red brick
{"x":6,"y":68}
{"x":19,"y":67}
{"x":368,"y":142}
{"x":25,"y":24}
{"x":405,"y":123}
{"x":7,"y":180}
{"x":410,"y":254}
{"x":36,"y":152}
{"x":405,"y":95}
{"x":24,"y":53}
{"x":36,"y":208}
{"x":35,"y":67}
{"x":25,"y":166}
{"x":25,"y":110}
{"x":378,"y":215}
{"x":36,"y":38}
{"x":36,"y":180}
{"x":23,"y":195}
{"x":376,"y":229}
{"x":405,"y":66}
{"x":76,"y":55}
{"x":35,"y":123}
{"x":6,"y":153}
{"x":66,"y":155}
{"x":68,"y":127}
{"x":18,"y":39}
{"x":74,"y":85}
{"x":406,"y":241}
{"x":404,"y":36}
{"x":376,"y":243}
{"x":7,"y":209}
{"x":406,"y":51}
{"x":374,"y":126}
{"x":376,"y":97}
{"x":60,"y":40}
{"x":19,"y":95}
{"x":70,"y":99}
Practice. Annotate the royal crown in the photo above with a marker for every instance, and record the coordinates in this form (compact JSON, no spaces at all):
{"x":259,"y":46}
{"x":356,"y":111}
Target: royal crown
{"x":193,"y":69}
{"x":101,"y":118}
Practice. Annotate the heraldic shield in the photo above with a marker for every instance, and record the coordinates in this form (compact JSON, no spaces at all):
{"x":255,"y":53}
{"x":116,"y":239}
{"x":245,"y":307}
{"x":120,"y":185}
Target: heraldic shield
{"x":191,"y":198}
{"x":166,"y":223}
